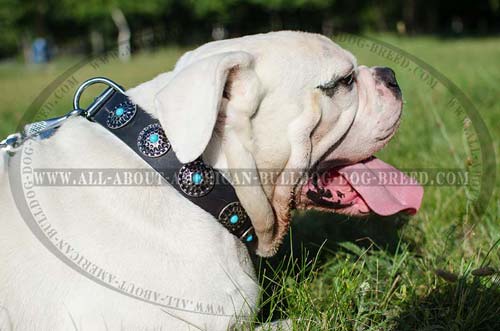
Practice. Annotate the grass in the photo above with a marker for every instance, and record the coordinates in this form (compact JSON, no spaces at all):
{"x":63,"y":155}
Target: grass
{"x":374,"y":274}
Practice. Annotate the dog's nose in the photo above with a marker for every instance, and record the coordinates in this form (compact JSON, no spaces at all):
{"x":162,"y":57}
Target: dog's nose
{"x":388,"y":77}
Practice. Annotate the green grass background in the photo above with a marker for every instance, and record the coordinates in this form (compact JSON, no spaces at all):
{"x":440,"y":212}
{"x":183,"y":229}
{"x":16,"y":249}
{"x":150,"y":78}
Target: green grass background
{"x":373,"y":274}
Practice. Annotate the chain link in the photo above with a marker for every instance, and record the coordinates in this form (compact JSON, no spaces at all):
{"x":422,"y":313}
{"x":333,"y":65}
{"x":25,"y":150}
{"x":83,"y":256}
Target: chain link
{"x":35,"y":129}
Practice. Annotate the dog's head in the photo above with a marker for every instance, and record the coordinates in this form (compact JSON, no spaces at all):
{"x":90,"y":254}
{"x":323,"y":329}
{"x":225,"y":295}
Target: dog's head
{"x":284,"y":104}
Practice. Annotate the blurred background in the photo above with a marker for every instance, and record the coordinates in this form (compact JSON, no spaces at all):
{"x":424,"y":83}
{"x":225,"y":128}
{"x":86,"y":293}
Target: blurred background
{"x":38,"y":31}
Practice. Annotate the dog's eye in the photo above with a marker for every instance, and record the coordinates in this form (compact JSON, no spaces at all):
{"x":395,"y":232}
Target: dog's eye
{"x":347,"y":80}
{"x":328,"y":89}
{"x":331,"y":88}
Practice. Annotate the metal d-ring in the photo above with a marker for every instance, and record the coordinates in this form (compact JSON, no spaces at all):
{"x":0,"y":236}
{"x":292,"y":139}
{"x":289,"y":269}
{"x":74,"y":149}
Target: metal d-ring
{"x":35,"y":129}
{"x":112,"y":86}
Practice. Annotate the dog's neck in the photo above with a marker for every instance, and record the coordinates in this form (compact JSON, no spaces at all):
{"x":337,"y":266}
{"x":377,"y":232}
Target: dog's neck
{"x":196,"y":181}
{"x":231,"y":148}
{"x":150,"y":236}
{"x":143,"y":95}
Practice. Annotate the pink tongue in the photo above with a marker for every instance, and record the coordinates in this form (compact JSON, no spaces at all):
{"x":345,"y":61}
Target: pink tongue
{"x":385,"y":189}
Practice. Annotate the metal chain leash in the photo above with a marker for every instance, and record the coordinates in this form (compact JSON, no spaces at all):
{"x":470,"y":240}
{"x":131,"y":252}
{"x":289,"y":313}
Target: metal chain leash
{"x":33,"y":130}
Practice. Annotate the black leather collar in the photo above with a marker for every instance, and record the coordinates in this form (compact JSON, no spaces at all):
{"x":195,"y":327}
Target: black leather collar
{"x":196,"y":181}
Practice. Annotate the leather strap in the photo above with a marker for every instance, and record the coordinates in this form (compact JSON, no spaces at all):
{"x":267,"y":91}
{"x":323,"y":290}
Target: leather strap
{"x":130,"y":124}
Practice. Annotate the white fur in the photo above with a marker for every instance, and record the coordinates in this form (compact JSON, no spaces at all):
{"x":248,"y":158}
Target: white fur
{"x":274,"y":118}
{"x":187,"y":98}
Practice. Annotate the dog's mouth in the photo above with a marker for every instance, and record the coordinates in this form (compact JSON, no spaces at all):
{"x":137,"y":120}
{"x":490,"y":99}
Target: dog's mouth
{"x":369,"y":186}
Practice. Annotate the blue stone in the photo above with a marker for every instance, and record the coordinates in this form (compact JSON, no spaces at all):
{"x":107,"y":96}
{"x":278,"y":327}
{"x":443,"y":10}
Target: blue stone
{"x":154,"y":138}
{"x":197,"y":178}
{"x":234,"y":219}
{"x":119,"y":111}
{"x":249,"y":238}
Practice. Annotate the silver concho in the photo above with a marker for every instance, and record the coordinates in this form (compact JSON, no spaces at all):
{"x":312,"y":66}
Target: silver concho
{"x":233,"y":216}
{"x":152,"y":141}
{"x":121,"y":115}
{"x":248,"y":236}
{"x":196,"y":179}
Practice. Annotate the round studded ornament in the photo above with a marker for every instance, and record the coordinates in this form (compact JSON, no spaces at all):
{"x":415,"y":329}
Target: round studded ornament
{"x":152,"y":141}
{"x":121,"y":115}
{"x":196,"y":179}
{"x":249,"y":236}
{"x":233,"y":216}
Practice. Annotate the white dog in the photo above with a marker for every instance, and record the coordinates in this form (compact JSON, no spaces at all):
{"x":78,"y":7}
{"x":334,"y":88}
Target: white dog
{"x":286,"y":100}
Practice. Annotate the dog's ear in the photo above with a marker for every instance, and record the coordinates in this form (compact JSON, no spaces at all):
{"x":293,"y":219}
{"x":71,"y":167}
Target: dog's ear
{"x":188,"y":106}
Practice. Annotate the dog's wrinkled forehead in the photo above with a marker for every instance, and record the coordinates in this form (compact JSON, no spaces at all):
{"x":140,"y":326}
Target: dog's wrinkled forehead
{"x":308,"y":58}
